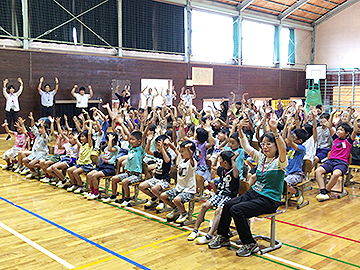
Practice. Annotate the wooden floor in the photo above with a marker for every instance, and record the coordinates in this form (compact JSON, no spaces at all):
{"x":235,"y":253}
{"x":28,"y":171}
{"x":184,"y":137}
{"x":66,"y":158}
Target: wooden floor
{"x":73,"y":233}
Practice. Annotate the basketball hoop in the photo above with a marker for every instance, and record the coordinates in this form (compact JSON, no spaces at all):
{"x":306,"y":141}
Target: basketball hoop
{"x":315,"y":73}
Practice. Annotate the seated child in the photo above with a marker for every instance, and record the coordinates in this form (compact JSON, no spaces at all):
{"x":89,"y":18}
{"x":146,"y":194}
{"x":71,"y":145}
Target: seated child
{"x":107,"y":166}
{"x":324,"y":140}
{"x":185,"y":188}
{"x":161,"y":180}
{"x":228,"y":188}
{"x":355,"y":149}
{"x":133,"y":169}
{"x":338,"y":160}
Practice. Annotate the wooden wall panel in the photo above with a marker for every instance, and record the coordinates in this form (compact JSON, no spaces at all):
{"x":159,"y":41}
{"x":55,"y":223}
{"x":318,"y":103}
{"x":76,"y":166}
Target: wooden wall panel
{"x":99,"y":71}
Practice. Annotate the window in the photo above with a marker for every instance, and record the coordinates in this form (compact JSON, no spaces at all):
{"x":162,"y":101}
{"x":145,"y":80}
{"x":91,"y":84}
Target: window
{"x":212,"y":37}
{"x":258,"y":43}
{"x":284,"y":46}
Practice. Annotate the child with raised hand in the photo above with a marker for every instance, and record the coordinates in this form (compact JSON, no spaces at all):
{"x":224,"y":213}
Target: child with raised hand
{"x":228,"y":188}
{"x":20,"y":143}
{"x":338,"y":160}
{"x":185,"y":188}
{"x":84,"y":163}
{"x":67,"y":161}
{"x":40,"y":149}
{"x":133,"y":168}
{"x":161,"y":180}
{"x":107,"y":166}
{"x":59,"y":150}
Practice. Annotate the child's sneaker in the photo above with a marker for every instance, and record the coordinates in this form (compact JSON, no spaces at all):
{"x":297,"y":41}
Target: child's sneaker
{"x":182,"y":217}
{"x":25,"y":171}
{"x":160,"y":206}
{"x":218,"y":242}
{"x":173,"y":214}
{"x":246,"y":249}
{"x":79,"y":190}
{"x":30,"y":175}
{"x":45,"y":180}
{"x":108,"y":200}
{"x":72,"y":188}
{"x":62,"y":184}
{"x":193,"y":235}
{"x":151,"y":202}
{"x":126,"y":203}
{"x":322,"y":197}
{"x":86,"y":194}
{"x":300,"y":200}
{"x":93,"y":197}
{"x":19,"y":168}
{"x":206,"y":239}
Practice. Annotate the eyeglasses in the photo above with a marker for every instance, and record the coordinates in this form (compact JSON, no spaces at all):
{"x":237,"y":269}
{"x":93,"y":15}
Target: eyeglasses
{"x":269,"y":144}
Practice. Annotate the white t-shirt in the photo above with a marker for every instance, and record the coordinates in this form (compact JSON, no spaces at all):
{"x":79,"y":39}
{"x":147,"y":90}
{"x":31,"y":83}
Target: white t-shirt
{"x":12,"y":100}
{"x":47,"y":98}
{"x":169,"y":99}
{"x":187,"y":99}
{"x":310,"y":149}
{"x":185,"y":176}
{"x":82,"y":101}
{"x":149,"y":101}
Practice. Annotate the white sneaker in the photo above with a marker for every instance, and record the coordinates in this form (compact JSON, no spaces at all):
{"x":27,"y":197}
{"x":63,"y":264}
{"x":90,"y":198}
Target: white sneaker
{"x":182,"y":217}
{"x":322,"y":197}
{"x":160,"y":206}
{"x":79,"y":190}
{"x":60,"y":184}
{"x":126,"y":203}
{"x":108,"y":200}
{"x":192,"y":236}
{"x":203,"y":240}
{"x":151,"y":202}
{"x":30,"y":175}
{"x":92,"y":197}
{"x":72,"y":188}
{"x":4,"y":167}
{"x":19,"y":168}
{"x":25,"y":171}
{"x":45,"y":180}
{"x":174,"y":213}
{"x":86,"y":194}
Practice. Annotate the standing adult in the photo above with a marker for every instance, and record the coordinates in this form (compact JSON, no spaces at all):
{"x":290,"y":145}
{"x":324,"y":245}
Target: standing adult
{"x":169,"y":96}
{"x":81,"y":98}
{"x":125,"y":95}
{"x":188,"y":97}
{"x":47,"y":97}
{"x":149,"y":97}
{"x":12,"y":107}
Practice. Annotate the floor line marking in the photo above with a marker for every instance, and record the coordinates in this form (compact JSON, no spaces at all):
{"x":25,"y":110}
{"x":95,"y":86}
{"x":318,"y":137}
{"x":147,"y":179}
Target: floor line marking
{"x":95,"y":263}
{"x":37,"y":246}
{"x":78,"y":236}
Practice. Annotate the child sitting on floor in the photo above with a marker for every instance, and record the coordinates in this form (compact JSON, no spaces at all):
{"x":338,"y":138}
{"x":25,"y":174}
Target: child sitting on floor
{"x":185,"y":188}
{"x":228,"y":188}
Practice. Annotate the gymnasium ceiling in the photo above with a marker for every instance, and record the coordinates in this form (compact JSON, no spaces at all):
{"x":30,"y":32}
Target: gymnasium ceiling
{"x":310,"y":12}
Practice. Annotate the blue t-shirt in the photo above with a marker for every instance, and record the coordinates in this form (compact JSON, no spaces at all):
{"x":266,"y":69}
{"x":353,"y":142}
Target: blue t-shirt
{"x":239,"y":160}
{"x":104,"y":128}
{"x":295,"y":159}
{"x":135,"y":157}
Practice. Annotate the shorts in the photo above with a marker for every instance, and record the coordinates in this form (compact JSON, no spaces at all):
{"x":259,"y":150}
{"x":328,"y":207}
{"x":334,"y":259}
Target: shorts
{"x":12,"y":153}
{"x":216,"y":181}
{"x":68,"y":161}
{"x":54,"y":158}
{"x":161,"y":182}
{"x":335,"y":164}
{"x":322,"y":153}
{"x":204,"y":173}
{"x":131,"y":176}
{"x":39,"y":155}
{"x":218,"y":201}
{"x":86,"y":167}
{"x":184,"y":196}
{"x":294,"y":178}
{"x":107,"y":169}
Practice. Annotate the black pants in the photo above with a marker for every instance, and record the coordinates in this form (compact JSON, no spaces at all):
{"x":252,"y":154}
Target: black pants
{"x":251,"y":204}
{"x":47,"y":111}
{"x":11,"y":117}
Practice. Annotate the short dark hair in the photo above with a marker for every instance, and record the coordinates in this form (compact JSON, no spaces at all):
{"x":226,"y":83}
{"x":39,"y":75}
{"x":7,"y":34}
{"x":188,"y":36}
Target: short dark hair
{"x":226,"y":156}
{"x":152,"y":127}
{"x":301,"y":134}
{"x":271,"y":137}
{"x":47,"y":85}
{"x":345,"y":126}
{"x":325,"y":115}
{"x":309,"y":129}
{"x":192,"y":147}
{"x":225,"y":131}
{"x":137,"y":134}
{"x":169,"y":126}
{"x":319,"y":106}
{"x":82,"y":88}
{"x":141,"y":110}
{"x":235,"y":136}
{"x":10,"y":86}
{"x":202,"y":135}
{"x":169,"y":133}
{"x":161,"y":137}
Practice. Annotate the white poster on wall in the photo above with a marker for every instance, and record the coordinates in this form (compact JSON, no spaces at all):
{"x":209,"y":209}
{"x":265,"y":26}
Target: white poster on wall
{"x":202,"y":76}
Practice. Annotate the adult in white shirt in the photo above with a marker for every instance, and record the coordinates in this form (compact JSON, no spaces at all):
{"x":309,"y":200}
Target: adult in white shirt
{"x":47,"y":97}
{"x":187,"y":97}
{"x":81,"y":98}
{"x":12,"y":107}
{"x":169,"y":97}
{"x":149,"y":97}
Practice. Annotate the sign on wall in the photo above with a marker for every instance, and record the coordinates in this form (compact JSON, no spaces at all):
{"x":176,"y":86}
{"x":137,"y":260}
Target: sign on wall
{"x":202,"y":76}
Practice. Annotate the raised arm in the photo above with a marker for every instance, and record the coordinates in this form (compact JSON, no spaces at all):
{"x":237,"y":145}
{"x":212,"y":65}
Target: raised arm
{"x":90,"y":134}
{"x":314,"y":126}
{"x":56,"y":84}
{"x":31,"y":117}
{"x":40,"y":84}
{"x":73,"y":90}
{"x":21,"y":88}
{"x":273,"y":123}
{"x":235,"y":168}
{"x":67,"y":123}
{"x":330,"y":123}
{"x":51,"y":119}
{"x":5,"y":82}
{"x":142,"y":91}
{"x":147,"y":147}
{"x":91,"y":91}
{"x":6,"y":126}
{"x":194,"y":93}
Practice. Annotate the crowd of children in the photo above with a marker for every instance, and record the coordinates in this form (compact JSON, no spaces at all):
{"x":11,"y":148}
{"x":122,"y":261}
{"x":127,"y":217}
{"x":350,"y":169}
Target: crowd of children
{"x":201,"y":149}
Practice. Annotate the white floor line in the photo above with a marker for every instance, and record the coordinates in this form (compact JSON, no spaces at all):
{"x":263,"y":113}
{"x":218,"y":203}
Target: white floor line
{"x":38,"y":247}
{"x":233,"y":243}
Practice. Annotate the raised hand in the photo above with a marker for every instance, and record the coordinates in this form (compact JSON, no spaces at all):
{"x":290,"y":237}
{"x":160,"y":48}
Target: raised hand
{"x":243,"y":122}
{"x":111,"y":137}
{"x":6,"y":81}
{"x":273,"y":123}
{"x":56,"y":80}
{"x":31,"y":117}
{"x":58,"y":120}
{"x":20,"y":80}
{"x":41,"y":79}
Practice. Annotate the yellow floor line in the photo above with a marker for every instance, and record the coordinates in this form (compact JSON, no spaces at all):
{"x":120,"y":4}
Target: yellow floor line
{"x":94,"y":263}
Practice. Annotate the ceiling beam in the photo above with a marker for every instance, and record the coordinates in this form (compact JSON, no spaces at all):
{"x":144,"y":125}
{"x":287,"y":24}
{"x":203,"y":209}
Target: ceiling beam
{"x":242,"y":6}
{"x":291,"y":9}
{"x":334,"y":11}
